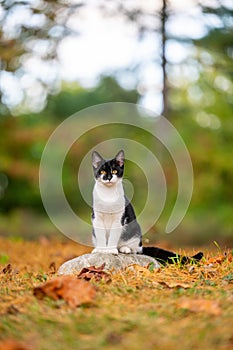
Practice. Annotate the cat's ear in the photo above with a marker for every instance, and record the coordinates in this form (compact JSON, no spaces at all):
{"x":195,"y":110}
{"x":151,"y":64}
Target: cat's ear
{"x":96,"y":159}
{"x":120,"y":158}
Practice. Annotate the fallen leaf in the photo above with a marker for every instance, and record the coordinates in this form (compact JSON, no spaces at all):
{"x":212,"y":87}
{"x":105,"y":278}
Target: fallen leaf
{"x":217,"y":259}
{"x":175,"y":284}
{"x":227,"y":256}
{"x":74,"y":291}
{"x":10,"y":344}
{"x":96,"y":273}
{"x":210,"y":307}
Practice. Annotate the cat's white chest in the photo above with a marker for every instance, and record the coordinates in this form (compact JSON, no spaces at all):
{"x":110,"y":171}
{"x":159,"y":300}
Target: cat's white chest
{"x":108,"y":200}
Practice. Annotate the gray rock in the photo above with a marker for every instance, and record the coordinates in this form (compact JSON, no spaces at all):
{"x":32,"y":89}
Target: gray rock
{"x":112,"y":262}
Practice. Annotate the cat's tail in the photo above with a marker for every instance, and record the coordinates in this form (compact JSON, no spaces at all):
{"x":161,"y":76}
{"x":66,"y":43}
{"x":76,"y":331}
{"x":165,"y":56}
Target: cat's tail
{"x":164,"y":256}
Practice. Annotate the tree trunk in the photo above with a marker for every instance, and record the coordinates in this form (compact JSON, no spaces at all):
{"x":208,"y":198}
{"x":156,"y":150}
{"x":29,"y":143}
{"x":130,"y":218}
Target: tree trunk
{"x":163,"y":58}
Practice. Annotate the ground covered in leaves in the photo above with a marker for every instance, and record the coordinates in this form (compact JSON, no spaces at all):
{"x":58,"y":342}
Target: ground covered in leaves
{"x":183,"y":307}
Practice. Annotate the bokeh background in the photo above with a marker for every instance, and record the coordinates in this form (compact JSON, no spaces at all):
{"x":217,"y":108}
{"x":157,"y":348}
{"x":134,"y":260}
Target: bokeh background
{"x":171,"y":57}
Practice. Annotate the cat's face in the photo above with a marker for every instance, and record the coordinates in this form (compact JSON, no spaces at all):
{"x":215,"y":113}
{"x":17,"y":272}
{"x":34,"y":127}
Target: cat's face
{"x":108,"y":172}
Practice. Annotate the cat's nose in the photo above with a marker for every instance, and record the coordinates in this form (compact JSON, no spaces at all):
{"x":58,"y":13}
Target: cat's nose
{"x":109,"y":177}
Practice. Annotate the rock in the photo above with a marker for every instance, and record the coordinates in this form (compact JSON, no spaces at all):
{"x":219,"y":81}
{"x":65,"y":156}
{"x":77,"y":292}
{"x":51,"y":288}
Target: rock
{"x":112,"y":262}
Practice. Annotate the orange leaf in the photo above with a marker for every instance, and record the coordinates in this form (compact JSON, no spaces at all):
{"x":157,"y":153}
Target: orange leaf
{"x":75,"y":292}
{"x":220,"y":258}
{"x":96,"y":273}
{"x":11,"y":344}
{"x":217,"y":259}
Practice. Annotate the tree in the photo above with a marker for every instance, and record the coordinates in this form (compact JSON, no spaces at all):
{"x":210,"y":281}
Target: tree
{"x":202,"y":111}
{"x":30,"y":34}
{"x":33,"y":30}
{"x":23,"y":139}
{"x":73,"y":98}
{"x":164,"y":16}
{"x":147,"y":20}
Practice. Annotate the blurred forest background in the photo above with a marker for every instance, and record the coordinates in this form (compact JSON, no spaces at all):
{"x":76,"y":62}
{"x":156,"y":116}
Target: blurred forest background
{"x":193,"y":90}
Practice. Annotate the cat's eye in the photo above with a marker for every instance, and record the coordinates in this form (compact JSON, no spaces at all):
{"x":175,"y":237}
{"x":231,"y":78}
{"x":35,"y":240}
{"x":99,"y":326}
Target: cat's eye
{"x":103,"y":172}
{"x":114,"y":172}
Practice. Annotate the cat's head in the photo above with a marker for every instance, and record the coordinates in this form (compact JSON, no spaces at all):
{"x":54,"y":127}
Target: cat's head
{"x":108,"y":172}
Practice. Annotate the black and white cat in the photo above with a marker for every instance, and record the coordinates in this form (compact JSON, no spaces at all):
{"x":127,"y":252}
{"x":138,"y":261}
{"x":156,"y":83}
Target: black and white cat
{"x":115,"y":227}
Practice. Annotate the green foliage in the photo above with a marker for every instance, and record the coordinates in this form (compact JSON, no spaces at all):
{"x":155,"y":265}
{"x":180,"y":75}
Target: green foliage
{"x":21,"y":147}
{"x":74,"y":98}
{"x":201,"y":109}
{"x":4,"y":258}
{"x":31,"y":31}
{"x":23,"y":139}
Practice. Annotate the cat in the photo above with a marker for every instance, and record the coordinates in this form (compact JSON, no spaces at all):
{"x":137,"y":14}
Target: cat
{"x":115,"y":227}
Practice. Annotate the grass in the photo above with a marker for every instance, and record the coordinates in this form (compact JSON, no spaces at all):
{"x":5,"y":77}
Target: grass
{"x":185,"y":307}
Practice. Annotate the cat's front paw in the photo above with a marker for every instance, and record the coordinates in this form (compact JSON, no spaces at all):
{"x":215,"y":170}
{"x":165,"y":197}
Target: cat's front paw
{"x":97,"y":250}
{"x":105,"y":251}
{"x":112,"y":251}
{"x":125,"y":250}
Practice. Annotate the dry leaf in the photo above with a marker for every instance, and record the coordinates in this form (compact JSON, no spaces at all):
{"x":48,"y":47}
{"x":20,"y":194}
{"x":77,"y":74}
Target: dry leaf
{"x":96,"y":273}
{"x":217,"y":259}
{"x":210,"y":307}
{"x":75,"y":292}
{"x":175,"y":284}
{"x":229,"y":257}
{"x":11,"y":344}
